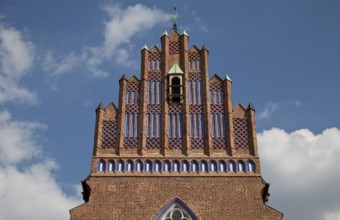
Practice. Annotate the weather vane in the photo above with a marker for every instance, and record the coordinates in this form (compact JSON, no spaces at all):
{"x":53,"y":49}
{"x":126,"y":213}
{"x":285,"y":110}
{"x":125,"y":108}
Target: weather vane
{"x":174,"y":17}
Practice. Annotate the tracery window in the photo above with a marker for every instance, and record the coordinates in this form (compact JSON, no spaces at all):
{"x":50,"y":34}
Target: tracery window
{"x":132,"y":97}
{"x":153,"y":125}
{"x":154,"y":89}
{"x":131,"y":125}
{"x":216,"y":97}
{"x":195,"y":92}
{"x":196,"y":125}
{"x":154,"y":65}
{"x":218,"y":129}
{"x":175,"y":125}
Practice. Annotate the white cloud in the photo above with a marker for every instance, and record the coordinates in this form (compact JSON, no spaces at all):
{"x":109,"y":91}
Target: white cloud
{"x":302,"y":169}
{"x":61,"y":65}
{"x":271,"y":107}
{"x":16,"y":59}
{"x":122,"y":25}
{"x":268,"y":110}
{"x":27,"y":180}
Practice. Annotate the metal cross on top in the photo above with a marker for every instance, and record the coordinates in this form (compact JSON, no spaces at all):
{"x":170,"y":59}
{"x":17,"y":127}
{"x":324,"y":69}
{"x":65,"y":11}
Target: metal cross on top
{"x":174,"y":17}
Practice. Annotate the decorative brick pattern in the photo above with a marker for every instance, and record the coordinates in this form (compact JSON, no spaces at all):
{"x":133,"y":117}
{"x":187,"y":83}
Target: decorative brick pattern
{"x":174,"y":47}
{"x":109,"y":138}
{"x":154,"y":56}
{"x":219,"y":143}
{"x":153,"y":143}
{"x":154,"y":108}
{"x":194,"y":56}
{"x":132,"y":108}
{"x":175,"y":109}
{"x":195,"y":76}
{"x":175,"y":143}
{"x":241,"y":135}
{"x":215,"y":86}
{"x":130,"y":143}
{"x":133,"y":87}
{"x":217,"y":108}
{"x":195,"y":109}
{"x":154,"y":76}
{"x":197,"y":143}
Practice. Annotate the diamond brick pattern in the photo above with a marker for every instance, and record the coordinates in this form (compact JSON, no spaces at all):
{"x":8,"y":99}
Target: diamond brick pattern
{"x":194,"y":56}
{"x":132,"y":108}
{"x":241,"y":133}
{"x":196,"y":109}
{"x":154,"y":56}
{"x":174,"y":47}
{"x":131,"y":143}
{"x":215,"y":86}
{"x":154,"y":75}
{"x":195,"y":76}
{"x":133,"y":87}
{"x":175,"y":109}
{"x":109,"y":139}
{"x":214,"y":108}
{"x":219,"y":143}
{"x":197,"y":143}
{"x":175,"y":143}
{"x":154,"y":108}
{"x":153,"y":143}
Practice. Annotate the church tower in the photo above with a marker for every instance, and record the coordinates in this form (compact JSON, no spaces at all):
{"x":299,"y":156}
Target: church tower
{"x":175,"y":148}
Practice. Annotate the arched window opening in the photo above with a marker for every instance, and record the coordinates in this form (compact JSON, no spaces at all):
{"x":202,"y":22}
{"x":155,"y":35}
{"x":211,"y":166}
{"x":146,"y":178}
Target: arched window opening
{"x":250,"y":166}
{"x":101,"y":166}
{"x":175,"y":166}
{"x":166,"y":166}
{"x":212,"y":167}
{"x":157,"y":167}
{"x":194,"y":166}
{"x":176,"y":89}
{"x":129,"y":166}
{"x":231,"y":166}
{"x":221,"y":166}
{"x":185,"y":166}
{"x":139,"y":166}
{"x":204,"y":166}
{"x":120,"y":166}
{"x":240,"y":166}
{"x":148,"y":166}
{"x":110,"y":166}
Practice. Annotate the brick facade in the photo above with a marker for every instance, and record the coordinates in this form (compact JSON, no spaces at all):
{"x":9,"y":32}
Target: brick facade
{"x":195,"y":156}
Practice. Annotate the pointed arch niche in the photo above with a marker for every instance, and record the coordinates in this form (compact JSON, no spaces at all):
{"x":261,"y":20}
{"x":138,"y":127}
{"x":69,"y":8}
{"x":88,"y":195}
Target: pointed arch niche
{"x":176,"y":209}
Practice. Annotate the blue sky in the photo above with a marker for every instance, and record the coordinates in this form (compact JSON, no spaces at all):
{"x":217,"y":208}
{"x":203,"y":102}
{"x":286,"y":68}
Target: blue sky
{"x":58,"y":60}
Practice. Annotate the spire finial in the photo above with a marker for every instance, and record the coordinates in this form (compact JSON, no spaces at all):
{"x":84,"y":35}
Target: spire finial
{"x":174,"y":17}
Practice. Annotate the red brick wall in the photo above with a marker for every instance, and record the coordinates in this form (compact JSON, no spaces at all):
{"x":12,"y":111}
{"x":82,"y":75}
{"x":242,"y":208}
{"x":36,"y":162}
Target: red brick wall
{"x":213,"y":198}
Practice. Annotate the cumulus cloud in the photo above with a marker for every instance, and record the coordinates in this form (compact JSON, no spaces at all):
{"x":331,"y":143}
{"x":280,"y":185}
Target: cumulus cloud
{"x":120,"y":27}
{"x":16,"y":59}
{"x":302,"y":169}
{"x":28,"y":188}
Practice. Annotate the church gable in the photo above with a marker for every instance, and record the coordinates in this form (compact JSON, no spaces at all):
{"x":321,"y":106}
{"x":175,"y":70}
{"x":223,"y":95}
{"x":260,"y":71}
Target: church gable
{"x":174,"y":135}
